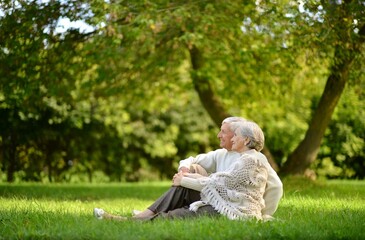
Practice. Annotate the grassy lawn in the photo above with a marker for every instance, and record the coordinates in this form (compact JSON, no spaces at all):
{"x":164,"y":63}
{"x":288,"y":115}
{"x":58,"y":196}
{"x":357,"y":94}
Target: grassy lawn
{"x":309,"y":210}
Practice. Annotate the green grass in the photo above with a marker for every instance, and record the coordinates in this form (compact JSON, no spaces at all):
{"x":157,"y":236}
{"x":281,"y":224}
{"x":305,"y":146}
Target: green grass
{"x":308,"y":210}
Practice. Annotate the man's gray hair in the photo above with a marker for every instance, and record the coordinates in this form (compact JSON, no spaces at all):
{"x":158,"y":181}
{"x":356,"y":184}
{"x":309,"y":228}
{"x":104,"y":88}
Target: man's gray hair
{"x":230,"y":120}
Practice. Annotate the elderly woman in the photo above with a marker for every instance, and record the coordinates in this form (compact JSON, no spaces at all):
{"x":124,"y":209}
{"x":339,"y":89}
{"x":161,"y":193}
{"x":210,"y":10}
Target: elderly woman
{"x":237,"y":193}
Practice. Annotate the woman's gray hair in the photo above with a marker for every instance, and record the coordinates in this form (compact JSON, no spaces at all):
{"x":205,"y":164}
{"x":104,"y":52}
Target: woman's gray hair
{"x":251,"y":130}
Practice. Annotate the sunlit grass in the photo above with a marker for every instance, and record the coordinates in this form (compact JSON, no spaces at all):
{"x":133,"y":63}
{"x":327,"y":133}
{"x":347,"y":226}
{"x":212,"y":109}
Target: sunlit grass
{"x":321,"y":210}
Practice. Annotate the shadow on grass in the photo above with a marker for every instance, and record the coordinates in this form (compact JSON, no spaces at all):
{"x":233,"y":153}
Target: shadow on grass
{"x":83,"y":192}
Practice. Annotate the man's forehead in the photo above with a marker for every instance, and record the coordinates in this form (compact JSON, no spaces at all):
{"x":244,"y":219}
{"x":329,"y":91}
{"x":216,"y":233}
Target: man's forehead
{"x":225,"y":126}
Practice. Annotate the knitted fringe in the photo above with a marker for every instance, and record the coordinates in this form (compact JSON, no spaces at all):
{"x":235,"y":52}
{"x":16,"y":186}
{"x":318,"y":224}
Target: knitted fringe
{"x":216,"y":201}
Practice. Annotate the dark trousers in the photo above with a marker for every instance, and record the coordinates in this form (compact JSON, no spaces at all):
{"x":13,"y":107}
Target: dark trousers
{"x":175,"y":197}
{"x":175,"y":204}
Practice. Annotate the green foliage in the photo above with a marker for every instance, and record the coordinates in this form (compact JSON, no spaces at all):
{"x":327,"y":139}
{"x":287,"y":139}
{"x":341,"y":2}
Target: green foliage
{"x":118,"y":103}
{"x":62,"y":114}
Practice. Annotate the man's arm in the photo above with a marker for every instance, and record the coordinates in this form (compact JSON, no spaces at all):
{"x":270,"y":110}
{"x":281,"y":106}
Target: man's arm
{"x":205,"y":160}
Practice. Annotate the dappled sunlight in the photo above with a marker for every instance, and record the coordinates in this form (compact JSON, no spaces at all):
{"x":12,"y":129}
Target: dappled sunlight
{"x":307,"y":203}
{"x":84,"y":192}
{"x":339,"y":189}
{"x":23,"y":207}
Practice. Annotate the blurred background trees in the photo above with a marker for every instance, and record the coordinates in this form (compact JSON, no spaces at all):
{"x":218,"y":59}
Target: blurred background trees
{"x":147,"y":83}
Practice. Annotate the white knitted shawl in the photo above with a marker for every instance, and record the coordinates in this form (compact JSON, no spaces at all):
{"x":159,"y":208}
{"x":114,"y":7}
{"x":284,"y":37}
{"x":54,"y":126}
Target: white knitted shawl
{"x":238,"y":192}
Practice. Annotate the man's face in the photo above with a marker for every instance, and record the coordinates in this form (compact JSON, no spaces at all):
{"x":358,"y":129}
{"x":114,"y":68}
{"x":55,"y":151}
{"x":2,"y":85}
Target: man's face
{"x":225,"y":135}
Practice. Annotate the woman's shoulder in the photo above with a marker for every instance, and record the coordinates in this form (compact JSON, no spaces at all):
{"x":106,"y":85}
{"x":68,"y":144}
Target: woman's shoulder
{"x":250,"y":154}
{"x":254,"y":157}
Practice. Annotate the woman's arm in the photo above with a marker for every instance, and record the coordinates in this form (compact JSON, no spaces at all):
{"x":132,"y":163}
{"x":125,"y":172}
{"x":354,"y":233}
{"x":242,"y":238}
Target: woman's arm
{"x":189,"y":180}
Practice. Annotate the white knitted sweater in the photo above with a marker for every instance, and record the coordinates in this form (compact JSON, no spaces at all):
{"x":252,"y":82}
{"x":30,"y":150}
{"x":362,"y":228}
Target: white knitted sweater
{"x":238,"y":192}
{"x":222,"y":160}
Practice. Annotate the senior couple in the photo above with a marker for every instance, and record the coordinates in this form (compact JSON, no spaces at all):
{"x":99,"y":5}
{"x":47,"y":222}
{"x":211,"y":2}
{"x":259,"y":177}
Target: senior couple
{"x":235,"y":181}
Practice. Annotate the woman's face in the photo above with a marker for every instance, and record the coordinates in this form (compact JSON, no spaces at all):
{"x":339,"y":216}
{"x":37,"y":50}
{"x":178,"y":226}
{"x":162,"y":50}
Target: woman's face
{"x":239,"y":142}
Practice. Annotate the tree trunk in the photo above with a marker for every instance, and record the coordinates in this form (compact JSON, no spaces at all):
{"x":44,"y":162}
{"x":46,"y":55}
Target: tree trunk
{"x":210,"y":101}
{"x":345,"y":53}
{"x":307,"y":150}
{"x":11,"y":158}
{"x":206,"y":94}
